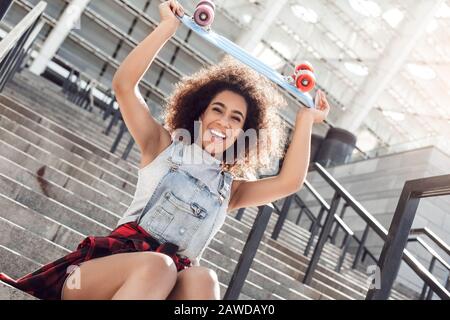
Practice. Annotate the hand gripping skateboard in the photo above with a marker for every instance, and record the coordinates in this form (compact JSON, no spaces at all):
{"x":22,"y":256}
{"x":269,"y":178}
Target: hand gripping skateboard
{"x":298,"y":84}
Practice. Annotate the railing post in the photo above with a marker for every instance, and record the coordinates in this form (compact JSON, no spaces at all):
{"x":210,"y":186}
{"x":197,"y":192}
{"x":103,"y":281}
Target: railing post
{"x":282,"y":216}
{"x":240,"y":214}
{"x":67,"y":82}
{"x":122,"y":130}
{"x":12,"y":58}
{"x":361,"y":247}
{"x":109,"y":109}
{"x":322,"y":240}
{"x":392,"y":252}
{"x":113,"y":121}
{"x":128,"y":149}
{"x":299,"y":215}
{"x":248,"y":253}
{"x":314,"y":230}
{"x":336,"y":228}
{"x":447,"y":284}
{"x":425,"y":287}
{"x":345,"y":245}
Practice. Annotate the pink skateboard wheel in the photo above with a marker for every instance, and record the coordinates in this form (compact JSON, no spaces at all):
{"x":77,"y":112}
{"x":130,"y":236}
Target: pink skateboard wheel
{"x":204,"y":13}
{"x":305,"y":80}
{"x":304,"y":66}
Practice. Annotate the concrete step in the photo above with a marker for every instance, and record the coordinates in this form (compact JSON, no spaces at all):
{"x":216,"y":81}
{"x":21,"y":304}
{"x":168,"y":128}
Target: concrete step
{"x":28,"y":141}
{"x":84,"y":128}
{"x":33,"y":85}
{"x":21,"y":148}
{"x":17,"y":144}
{"x":10,"y":293}
{"x":50,"y":129}
{"x":57,"y":193}
{"x":55,"y":105}
{"x":27,"y":111}
{"x":62,"y":179}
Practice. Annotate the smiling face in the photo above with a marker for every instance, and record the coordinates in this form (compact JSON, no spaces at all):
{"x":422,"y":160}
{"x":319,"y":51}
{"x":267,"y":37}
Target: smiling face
{"x":223,"y":121}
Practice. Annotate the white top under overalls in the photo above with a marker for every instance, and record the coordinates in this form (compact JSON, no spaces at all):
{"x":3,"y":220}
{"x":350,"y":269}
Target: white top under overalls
{"x":181,"y":197}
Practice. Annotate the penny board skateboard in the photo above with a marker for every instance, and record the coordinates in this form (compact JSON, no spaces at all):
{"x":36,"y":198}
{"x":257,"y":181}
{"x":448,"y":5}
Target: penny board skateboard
{"x":240,"y":54}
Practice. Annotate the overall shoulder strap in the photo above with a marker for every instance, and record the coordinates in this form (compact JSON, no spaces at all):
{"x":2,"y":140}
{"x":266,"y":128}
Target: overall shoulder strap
{"x":176,"y":154}
{"x":225,"y":184}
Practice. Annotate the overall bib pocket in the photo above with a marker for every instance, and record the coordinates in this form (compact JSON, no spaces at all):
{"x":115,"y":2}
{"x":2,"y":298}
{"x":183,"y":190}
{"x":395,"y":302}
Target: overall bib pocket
{"x":173,"y":219}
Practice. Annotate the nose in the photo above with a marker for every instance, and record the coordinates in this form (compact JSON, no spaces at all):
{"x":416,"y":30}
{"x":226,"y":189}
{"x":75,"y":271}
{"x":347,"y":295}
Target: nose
{"x":224,"y":122}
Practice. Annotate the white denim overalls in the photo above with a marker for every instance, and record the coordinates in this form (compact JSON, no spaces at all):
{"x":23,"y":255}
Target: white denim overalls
{"x":189,"y":204}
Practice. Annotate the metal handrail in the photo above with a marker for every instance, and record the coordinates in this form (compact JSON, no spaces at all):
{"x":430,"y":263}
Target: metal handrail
{"x":20,"y":29}
{"x":248,"y":252}
{"x":430,"y":251}
{"x":421,"y":188}
{"x":435,"y":257}
{"x":433,"y":237}
{"x":14,"y":47}
{"x":340,"y":223}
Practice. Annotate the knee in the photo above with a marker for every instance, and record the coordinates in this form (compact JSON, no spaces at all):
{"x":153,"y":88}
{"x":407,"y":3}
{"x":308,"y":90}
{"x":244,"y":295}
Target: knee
{"x":206,"y":276}
{"x":156,"y":266}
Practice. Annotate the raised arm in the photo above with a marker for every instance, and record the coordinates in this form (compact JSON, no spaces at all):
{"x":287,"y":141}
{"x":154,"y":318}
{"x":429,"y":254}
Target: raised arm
{"x":149,"y":135}
{"x":295,"y":165}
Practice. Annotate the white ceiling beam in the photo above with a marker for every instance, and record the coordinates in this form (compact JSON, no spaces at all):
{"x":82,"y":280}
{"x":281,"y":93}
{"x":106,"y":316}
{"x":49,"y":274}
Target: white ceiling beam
{"x":66,"y":22}
{"x":261,"y":24}
{"x":392,"y":59}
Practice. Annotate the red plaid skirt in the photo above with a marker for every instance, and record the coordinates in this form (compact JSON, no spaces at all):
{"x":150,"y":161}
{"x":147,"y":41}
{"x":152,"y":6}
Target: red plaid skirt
{"x":47,"y":282}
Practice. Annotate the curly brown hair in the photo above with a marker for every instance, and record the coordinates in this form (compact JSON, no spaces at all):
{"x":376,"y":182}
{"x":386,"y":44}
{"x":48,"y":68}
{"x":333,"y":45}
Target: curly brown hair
{"x":194,"y":93}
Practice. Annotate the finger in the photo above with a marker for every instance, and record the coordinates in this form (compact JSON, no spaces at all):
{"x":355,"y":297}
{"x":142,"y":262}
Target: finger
{"x":172,"y":5}
{"x":317,"y":100}
{"x":180,"y":10}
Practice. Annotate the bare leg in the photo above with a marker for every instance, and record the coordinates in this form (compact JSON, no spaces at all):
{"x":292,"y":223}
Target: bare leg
{"x":116,"y":276}
{"x":196,"y":283}
{"x":150,"y":282}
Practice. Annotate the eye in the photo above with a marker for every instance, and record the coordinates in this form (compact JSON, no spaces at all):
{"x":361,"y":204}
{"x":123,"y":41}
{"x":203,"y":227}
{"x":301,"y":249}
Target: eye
{"x":237,"y":119}
{"x":217,"y":109}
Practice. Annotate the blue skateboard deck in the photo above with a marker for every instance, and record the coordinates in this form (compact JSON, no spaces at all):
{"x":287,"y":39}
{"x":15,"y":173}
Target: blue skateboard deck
{"x":240,"y":54}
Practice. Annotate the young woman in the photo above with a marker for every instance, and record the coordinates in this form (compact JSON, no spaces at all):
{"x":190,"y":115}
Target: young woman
{"x":185,"y":188}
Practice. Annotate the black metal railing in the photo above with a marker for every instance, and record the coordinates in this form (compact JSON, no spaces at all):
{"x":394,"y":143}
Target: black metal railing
{"x":317,"y":225}
{"x":395,"y":241}
{"x":414,"y":236}
{"x":362,"y":252}
{"x":248,"y":253}
{"x":17,"y":43}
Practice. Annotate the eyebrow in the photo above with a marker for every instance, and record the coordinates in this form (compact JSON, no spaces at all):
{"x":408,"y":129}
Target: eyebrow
{"x":234,"y":111}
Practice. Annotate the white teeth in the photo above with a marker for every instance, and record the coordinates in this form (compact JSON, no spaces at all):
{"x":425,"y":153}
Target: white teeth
{"x":218,"y":134}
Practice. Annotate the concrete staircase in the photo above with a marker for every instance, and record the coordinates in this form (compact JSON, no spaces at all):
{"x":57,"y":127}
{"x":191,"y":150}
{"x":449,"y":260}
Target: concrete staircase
{"x":59,"y":184}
